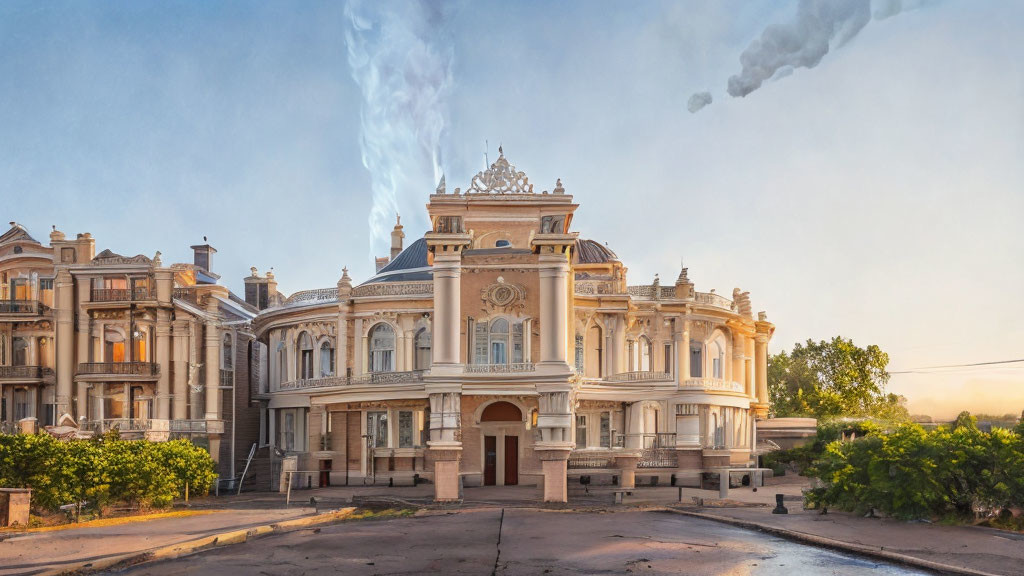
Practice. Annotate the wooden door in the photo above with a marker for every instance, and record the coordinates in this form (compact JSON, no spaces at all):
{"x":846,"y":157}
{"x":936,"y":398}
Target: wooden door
{"x":490,"y":460}
{"x":511,"y":460}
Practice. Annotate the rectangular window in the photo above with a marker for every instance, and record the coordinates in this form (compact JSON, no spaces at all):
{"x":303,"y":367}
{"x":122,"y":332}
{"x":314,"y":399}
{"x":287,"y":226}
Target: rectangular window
{"x":377,"y":428}
{"x":498,"y":353}
{"x":288,"y":430}
{"x":695,"y":362}
{"x":22,"y":404}
{"x":716,"y":367}
{"x":405,"y":429}
{"x":606,"y":429}
{"x":668,"y":360}
{"x":581,"y":430}
{"x":517,"y":342}
{"x":480,"y":343}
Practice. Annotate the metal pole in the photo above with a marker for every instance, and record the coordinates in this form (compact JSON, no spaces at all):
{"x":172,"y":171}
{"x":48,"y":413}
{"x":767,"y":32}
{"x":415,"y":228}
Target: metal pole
{"x":234,"y":416}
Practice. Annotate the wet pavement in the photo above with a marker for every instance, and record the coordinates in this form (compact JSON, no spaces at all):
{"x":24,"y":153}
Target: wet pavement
{"x":514,"y":541}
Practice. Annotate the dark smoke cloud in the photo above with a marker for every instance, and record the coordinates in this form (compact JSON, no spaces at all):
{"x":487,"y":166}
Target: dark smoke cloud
{"x":818,"y":26}
{"x":698,"y":101}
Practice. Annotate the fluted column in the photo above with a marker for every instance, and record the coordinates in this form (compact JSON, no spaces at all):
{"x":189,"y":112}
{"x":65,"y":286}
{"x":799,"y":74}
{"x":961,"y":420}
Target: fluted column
{"x":748,"y":367}
{"x":64,"y":313}
{"x":761,"y":358}
{"x":684,"y":352}
{"x":181,"y":370}
{"x":341,"y":346}
{"x":163,"y":358}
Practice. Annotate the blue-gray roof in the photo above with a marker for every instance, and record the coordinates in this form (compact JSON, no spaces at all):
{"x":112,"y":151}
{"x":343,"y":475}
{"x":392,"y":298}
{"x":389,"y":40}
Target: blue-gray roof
{"x":409,"y":265}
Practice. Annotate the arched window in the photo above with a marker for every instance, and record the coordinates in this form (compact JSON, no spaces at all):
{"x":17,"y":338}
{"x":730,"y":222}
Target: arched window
{"x":696,"y":360}
{"x":422,"y":348}
{"x":717,"y":360}
{"x":20,"y":349}
{"x":579,"y":354}
{"x":491,"y":341}
{"x":326,"y":359}
{"x":305,"y":356}
{"x":382,"y":348}
{"x":227,"y":356}
{"x":595,"y":352}
{"x":113,"y":346}
{"x":644,"y":345}
{"x":498,"y":341}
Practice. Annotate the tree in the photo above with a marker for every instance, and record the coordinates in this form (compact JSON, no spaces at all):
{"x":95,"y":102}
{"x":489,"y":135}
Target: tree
{"x":831,"y":379}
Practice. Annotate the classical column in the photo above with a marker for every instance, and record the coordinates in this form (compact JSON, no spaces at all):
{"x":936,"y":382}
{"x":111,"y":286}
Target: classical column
{"x":748,"y":367}
{"x":764,"y":331}
{"x":618,"y":351}
{"x":341,"y":346}
{"x":163,"y":358}
{"x":358,"y":358}
{"x":684,"y":353}
{"x":445,"y":447}
{"x":64,"y":314}
{"x":447,"y":295}
{"x":554,"y":336}
{"x":738,"y":349}
{"x":212,"y":361}
{"x":181,"y":370}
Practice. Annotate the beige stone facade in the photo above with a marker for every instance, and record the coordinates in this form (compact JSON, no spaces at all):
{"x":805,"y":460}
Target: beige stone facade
{"x":100,"y":341}
{"x":500,"y":349}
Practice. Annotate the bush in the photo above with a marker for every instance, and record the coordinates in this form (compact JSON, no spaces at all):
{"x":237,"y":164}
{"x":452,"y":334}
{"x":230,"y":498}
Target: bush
{"x":103,"y":471}
{"x":955,"y":473}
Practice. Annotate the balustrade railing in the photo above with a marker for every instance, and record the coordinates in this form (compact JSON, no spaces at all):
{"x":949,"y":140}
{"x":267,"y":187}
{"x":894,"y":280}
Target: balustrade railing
{"x":373,"y":378}
{"x":515,"y":367}
{"x":21,"y":307}
{"x":581,"y":460}
{"x":394,"y":289}
{"x":639,"y":376}
{"x":121,"y":424}
{"x":119,"y":294}
{"x":24,"y":371}
{"x":712,"y":299}
{"x":187,"y":426}
{"x":120,"y":368}
{"x":596,"y":287}
{"x":711,"y":384}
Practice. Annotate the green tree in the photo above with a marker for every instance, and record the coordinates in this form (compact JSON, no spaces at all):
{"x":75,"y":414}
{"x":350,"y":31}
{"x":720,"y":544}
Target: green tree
{"x":831,"y":379}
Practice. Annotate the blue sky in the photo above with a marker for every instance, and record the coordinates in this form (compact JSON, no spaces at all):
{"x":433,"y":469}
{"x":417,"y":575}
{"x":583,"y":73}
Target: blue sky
{"x":877,"y":195}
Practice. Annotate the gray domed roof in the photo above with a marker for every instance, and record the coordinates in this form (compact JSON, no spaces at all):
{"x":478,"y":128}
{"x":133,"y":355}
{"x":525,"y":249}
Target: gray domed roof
{"x":409,"y":265}
{"x":591,"y":252}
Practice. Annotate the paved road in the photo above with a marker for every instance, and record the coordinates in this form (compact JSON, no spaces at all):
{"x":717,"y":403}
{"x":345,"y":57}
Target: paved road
{"x":34,"y":551}
{"x":531,"y":542}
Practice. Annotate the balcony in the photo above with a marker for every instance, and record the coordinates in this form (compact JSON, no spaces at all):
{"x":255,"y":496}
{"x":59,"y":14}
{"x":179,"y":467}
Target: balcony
{"x":513,"y":368}
{"x":711,"y":385}
{"x":371,"y":379}
{"x":121,"y":424}
{"x":120,"y":294}
{"x":189,"y":426}
{"x":138,"y":370}
{"x":639,"y":376}
{"x":20,"y":373}
{"x":21,"y":307}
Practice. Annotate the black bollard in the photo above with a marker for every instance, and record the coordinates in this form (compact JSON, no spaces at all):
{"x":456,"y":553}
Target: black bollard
{"x":779,"y":508}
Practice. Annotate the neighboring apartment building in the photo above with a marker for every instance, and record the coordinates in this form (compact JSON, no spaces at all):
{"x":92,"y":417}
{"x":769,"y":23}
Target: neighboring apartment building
{"x":501,"y":349}
{"x":107,"y":341}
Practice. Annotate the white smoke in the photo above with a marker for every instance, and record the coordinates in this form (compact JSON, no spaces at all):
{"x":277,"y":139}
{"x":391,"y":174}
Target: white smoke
{"x":698,"y":101}
{"x":400,"y":55}
{"x":819,"y":25}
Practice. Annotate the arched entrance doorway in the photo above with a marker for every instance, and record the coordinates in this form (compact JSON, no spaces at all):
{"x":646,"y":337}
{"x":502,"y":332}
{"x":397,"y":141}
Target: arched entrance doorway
{"x":501,"y":424}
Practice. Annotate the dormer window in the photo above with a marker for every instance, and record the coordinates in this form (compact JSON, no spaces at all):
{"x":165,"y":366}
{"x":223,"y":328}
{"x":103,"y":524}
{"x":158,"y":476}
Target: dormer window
{"x":502,"y":244}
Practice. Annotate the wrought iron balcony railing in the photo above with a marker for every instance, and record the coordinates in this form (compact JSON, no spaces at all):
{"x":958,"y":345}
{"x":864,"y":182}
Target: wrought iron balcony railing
{"x":21,"y":307}
{"x":120,"y":294}
{"x":29,"y":372}
{"x":119,"y":368}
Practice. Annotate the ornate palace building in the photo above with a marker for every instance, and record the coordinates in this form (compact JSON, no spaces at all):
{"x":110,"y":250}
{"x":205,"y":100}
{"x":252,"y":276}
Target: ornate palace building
{"x":500,"y":349}
{"x":91,"y":342}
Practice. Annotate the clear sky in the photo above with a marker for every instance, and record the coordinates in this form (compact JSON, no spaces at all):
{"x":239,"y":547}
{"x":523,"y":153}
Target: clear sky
{"x":877,"y":195}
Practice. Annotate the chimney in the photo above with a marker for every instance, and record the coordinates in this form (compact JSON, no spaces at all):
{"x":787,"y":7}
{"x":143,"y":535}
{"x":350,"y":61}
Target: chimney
{"x":260,"y":291}
{"x":396,"y":237}
{"x":201,"y":255}
{"x":382,"y":262}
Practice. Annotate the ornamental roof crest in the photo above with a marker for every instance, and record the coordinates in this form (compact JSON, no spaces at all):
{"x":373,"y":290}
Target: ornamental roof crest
{"x":500,"y":178}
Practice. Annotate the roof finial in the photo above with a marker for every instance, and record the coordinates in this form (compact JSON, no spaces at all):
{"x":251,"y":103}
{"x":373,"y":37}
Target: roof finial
{"x":441,"y":186}
{"x":500,"y":151}
{"x":398,"y":220}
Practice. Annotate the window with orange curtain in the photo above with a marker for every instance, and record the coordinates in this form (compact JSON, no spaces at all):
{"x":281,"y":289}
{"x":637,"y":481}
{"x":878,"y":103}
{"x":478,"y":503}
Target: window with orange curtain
{"x":140,"y":350}
{"x":20,"y":289}
{"x":115,"y":352}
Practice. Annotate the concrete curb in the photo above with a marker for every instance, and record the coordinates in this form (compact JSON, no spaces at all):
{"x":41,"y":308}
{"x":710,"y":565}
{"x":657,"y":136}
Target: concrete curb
{"x":206,"y":542}
{"x":840,"y":545}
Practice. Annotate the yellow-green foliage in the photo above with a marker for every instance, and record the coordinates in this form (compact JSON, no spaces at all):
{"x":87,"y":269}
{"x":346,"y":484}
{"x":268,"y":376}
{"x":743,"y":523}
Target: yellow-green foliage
{"x":103,"y":471}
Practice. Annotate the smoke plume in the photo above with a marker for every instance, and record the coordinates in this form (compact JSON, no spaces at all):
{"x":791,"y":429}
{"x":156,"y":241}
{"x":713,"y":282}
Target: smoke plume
{"x":400,"y":55}
{"x":818,"y":26}
{"x":698,"y":101}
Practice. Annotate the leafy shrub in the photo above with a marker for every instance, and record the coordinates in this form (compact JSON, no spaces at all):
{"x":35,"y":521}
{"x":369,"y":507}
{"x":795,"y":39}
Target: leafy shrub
{"x":103,"y":471}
